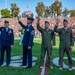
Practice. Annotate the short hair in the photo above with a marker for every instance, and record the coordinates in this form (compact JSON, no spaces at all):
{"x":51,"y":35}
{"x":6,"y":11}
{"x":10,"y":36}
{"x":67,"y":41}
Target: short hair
{"x":65,"y":20}
{"x":46,"y":22}
{"x":6,"y":21}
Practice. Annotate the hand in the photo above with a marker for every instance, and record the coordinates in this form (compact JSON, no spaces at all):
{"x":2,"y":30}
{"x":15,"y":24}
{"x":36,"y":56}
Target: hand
{"x":57,"y":21}
{"x":29,"y":47}
{"x":11,"y":46}
{"x":71,"y":47}
{"x":38,"y":19}
{"x":18,"y":18}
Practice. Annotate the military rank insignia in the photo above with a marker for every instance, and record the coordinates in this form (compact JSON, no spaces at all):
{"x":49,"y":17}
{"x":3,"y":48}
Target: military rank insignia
{"x":10,"y":31}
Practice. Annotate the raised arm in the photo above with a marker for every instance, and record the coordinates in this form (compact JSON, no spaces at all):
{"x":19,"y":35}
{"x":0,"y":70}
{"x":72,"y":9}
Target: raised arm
{"x":56,"y":29}
{"x":38,"y":25}
{"x":21,"y":24}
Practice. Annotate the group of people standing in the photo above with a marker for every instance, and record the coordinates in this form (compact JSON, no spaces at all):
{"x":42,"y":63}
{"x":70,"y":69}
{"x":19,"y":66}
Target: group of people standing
{"x":48,"y":42}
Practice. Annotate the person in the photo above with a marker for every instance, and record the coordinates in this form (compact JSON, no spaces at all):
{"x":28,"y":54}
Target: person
{"x":73,"y":30}
{"x":0,"y":44}
{"x":7,"y":42}
{"x":48,"y":42}
{"x":21,"y":36}
{"x":66,"y":42}
{"x":27,"y":42}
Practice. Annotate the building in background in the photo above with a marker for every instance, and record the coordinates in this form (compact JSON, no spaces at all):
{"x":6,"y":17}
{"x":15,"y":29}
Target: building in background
{"x":27,"y":14}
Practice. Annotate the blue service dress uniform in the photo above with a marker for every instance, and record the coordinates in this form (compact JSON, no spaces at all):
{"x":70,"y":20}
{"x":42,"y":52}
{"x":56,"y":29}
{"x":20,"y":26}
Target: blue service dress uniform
{"x":7,"y":39}
{"x":0,"y":43}
{"x":27,"y":41}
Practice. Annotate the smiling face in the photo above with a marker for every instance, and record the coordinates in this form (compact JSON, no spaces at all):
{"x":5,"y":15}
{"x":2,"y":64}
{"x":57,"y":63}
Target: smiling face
{"x":73,"y":26}
{"x":29,"y":22}
{"x":47,"y":25}
{"x":65,"y":24}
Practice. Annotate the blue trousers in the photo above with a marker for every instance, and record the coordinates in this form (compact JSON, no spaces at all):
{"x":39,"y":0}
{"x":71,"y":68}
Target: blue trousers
{"x":0,"y":50}
{"x":8,"y":54}
{"x":27,"y":56}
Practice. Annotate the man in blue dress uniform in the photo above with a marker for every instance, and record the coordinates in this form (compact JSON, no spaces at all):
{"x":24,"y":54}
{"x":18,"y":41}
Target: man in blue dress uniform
{"x":7,"y":41}
{"x":0,"y":43}
{"x":27,"y":42}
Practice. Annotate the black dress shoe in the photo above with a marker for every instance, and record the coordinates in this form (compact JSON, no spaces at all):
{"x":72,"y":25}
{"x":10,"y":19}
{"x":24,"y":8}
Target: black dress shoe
{"x":23,"y":65}
{"x":1,"y":64}
{"x":28,"y":67}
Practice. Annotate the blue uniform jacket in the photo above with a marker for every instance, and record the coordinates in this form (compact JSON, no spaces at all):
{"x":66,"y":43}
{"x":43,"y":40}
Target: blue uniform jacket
{"x":0,"y":37}
{"x":6,"y":37}
{"x":28,"y":35}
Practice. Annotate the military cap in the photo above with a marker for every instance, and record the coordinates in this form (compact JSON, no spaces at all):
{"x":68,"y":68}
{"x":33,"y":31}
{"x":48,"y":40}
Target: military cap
{"x":6,"y":21}
{"x":46,"y":22}
{"x":29,"y":18}
{"x":65,"y":20}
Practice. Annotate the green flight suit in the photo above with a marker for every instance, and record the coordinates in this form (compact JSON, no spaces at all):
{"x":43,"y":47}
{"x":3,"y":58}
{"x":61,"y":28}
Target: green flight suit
{"x":66,"y":40}
{"x":48,"y":39}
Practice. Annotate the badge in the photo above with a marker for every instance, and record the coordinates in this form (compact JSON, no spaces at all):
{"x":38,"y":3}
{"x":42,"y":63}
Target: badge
{"x":27,"y":30}
{"x":10,"y":31}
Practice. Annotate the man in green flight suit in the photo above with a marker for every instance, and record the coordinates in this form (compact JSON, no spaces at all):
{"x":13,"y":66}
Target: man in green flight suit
{"x":66,"y":42}
{"x":48,"y":42}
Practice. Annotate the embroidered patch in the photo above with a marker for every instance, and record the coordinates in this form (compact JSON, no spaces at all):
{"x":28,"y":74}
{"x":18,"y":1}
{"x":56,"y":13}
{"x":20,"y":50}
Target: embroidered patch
{"x":32,"y":32}
{"x":27,"y":30}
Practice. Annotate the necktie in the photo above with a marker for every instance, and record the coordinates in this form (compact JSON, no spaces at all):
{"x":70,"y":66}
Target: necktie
{"x":6,"y":29}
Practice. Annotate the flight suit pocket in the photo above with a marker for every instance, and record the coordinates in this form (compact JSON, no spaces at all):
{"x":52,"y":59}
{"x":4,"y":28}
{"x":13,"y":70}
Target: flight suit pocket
{"x":68,"y":32}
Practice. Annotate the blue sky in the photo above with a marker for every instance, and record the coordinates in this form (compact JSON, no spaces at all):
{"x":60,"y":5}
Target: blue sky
{"x":22,"y":4}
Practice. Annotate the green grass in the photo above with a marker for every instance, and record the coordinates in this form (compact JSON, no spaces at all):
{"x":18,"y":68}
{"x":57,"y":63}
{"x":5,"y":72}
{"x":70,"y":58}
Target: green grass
{"x":17,"y":50}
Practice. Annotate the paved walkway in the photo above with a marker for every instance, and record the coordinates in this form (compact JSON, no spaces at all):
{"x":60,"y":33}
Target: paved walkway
{"x":56,"y":63}
{"x":16,"y":61}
